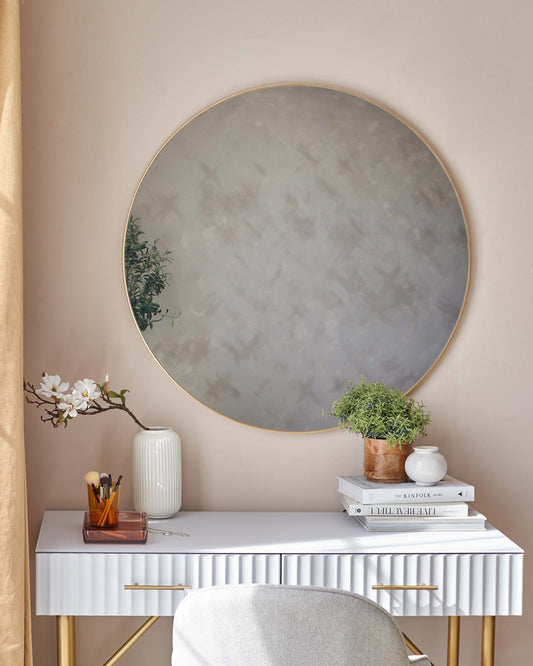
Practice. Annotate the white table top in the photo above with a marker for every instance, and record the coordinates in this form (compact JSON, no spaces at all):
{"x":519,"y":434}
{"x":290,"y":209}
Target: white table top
{"x":269,"y":532}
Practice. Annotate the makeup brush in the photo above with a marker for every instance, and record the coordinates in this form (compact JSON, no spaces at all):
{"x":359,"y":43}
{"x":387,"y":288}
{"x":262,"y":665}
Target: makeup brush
{"x":93,"y":479}
{"x":107,"y":509}
{"x":104,"y":485}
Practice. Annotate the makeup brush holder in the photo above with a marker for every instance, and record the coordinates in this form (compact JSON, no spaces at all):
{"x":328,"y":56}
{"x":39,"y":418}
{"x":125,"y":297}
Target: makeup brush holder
{"x":103,"y":505}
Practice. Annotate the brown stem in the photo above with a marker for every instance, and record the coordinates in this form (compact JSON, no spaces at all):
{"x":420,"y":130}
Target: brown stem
{"x":96,"y":408}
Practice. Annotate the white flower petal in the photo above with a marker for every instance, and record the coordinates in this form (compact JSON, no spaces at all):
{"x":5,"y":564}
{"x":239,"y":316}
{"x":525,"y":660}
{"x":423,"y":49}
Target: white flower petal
{"x":52,"y":386}
{"x":87,"y":388}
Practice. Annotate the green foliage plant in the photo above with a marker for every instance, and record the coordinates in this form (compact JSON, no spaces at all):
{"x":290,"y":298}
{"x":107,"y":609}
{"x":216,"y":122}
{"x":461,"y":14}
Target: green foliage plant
{"x":377,"y":411}
{"x":146,"y":276}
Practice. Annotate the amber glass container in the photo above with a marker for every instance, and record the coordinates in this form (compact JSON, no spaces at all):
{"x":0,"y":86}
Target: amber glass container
{"x":103,"y":506}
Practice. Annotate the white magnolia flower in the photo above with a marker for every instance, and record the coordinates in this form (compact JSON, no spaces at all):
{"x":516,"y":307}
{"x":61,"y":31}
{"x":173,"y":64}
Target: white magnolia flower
{"x":52,"y":387}
{"x":72,"y":404}
{"x":79,"y":400}
{"x":86,"y":389}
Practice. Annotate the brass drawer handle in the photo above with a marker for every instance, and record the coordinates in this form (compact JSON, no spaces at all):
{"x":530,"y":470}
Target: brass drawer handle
{"x":135,"y":586}
{"x":422,"y":586}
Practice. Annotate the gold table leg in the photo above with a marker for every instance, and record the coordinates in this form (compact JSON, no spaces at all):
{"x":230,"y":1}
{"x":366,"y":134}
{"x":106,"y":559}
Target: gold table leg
{"x":414,"y":648}
{"x":487,"y":640}
{"x":132,"y":640}
{"x":453,"y":640}
{"x":66,"y":645}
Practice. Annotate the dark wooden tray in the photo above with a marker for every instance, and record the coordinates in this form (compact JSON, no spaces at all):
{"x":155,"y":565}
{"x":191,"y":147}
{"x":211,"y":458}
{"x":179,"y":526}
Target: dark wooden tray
{"x":131,"y":528}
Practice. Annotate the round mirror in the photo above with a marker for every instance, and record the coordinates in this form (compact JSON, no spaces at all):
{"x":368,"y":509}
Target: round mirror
{"x":289,"y":239}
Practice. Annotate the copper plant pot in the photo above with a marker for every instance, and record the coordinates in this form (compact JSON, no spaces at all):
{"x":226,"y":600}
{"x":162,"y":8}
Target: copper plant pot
{"x":385,"y":463}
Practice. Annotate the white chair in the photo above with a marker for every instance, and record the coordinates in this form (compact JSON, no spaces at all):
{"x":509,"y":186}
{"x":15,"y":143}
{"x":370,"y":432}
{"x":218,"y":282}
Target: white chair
{"x":284,"y":625}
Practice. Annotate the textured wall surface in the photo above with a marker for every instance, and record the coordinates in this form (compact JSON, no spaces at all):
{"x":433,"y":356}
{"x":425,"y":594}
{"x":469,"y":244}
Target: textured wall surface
{"x":104,"y":83}
{"x":315,"y":238}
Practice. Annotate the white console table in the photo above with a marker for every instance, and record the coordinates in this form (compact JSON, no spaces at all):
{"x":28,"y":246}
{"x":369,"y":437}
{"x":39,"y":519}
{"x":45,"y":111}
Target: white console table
{"x":449,"y":574}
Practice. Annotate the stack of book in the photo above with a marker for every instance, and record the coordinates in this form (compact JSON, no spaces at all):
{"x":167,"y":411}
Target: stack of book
{"x":394,"y":507}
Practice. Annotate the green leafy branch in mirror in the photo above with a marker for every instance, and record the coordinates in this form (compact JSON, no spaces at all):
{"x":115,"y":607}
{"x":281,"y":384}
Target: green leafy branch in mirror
{"x":380,"y":412}
{"x":146,"y":277}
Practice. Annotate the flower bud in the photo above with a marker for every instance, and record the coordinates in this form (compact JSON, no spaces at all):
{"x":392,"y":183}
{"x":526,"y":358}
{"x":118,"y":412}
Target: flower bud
{"x":106,"y":385}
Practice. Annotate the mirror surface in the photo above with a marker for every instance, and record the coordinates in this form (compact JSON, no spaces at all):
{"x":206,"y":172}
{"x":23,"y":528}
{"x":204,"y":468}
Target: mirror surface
{"x":311,"y":237}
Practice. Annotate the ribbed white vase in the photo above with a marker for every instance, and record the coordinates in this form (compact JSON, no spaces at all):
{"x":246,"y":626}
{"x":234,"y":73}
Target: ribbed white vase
{"x":157,"y":472}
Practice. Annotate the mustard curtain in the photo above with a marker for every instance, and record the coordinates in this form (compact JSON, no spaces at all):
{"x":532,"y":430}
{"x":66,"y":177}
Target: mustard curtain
{"x":15,"y":629}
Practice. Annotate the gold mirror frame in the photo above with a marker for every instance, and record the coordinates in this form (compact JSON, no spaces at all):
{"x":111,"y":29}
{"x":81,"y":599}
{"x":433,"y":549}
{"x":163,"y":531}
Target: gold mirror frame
{"x":354,"y":375}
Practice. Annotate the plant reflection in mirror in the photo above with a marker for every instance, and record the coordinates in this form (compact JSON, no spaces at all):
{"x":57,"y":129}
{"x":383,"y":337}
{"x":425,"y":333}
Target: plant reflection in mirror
{"x":146,"y":277}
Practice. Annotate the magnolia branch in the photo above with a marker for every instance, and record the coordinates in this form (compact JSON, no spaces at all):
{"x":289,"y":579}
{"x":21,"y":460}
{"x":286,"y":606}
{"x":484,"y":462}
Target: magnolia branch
{"x":56,"y":416}
{"x":96,"y":408}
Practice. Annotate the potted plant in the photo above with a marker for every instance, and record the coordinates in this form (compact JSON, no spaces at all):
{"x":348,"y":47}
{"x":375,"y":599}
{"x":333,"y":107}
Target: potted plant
{"x":389,"y":422}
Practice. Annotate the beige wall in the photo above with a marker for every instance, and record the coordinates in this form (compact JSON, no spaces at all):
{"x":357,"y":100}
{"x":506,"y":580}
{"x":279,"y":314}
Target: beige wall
{"x":106,"y":82}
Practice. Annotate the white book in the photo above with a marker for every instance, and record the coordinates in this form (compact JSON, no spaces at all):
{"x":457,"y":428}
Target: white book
{"x":354,"y":508}
{"x":360,"y":489}
{"x":474,"y":521}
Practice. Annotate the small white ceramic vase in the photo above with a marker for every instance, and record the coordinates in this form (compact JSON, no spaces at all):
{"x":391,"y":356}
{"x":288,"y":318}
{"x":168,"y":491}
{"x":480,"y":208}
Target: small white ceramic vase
{"x":157,"y":472}
{"x":426,"y":466}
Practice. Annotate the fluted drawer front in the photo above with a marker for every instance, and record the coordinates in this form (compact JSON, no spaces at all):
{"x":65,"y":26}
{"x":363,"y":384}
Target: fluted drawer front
{"x":93,"y":584}
{"x":480,"y":584}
